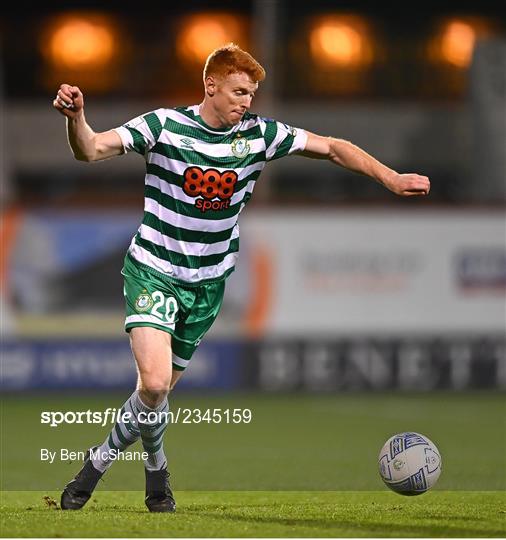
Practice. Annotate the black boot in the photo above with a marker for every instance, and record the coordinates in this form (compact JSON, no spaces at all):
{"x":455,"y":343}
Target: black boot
{"x":79,"y":490}
{"x":159,"y":497}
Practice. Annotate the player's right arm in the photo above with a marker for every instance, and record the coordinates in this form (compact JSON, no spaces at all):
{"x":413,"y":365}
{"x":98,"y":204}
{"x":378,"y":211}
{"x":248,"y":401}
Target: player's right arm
{"x":85,"y":143}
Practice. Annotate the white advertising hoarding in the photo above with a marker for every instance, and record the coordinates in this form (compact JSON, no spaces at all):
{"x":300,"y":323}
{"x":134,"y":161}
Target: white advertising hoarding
{"x":368,"y":271}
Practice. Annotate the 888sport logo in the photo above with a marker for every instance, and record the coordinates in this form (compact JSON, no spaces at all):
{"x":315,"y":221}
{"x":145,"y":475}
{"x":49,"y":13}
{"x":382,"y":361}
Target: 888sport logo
{"x":209,"y":185}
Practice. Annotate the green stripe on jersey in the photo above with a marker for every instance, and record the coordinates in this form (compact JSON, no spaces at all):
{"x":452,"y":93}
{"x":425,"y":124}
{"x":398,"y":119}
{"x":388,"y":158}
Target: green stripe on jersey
{"x":154,"y":124}
{"x":284,"y":147}
{"x":187,"y":261}
{"x":200,"y":135}
{"x":185,"y":235}
{"x":271,"y":131}
{"x":139,"y":142}
{"x":203,"y":160}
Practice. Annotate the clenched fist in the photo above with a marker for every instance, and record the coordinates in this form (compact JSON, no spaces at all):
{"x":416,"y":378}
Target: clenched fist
{"x":69,"y":100}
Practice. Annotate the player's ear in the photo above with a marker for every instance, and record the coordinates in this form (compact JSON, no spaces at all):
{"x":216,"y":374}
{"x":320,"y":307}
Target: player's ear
{"x":210,"y":85}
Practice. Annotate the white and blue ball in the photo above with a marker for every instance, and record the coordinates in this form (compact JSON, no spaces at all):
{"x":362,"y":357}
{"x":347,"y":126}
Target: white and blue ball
{"x":409,"y":463}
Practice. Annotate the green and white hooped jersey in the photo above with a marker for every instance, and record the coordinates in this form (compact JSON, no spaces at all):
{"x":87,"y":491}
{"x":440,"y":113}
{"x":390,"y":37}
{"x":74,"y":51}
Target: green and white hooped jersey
{"x":198,"y":179}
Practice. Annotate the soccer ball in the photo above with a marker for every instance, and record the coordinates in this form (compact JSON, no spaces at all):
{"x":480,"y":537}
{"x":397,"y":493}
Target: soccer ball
{"x":409,"y":463}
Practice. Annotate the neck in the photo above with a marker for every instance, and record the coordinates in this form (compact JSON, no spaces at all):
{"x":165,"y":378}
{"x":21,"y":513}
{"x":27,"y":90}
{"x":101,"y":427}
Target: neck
{"x":210,"y":117}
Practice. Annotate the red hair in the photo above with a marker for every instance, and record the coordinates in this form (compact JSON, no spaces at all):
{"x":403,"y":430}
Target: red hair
{"x":232,"y":59}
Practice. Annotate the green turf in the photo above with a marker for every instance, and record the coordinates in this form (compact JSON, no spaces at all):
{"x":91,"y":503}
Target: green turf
{"x":294,"y":442}
{"x":263,"y":514}
{"x":311,"y":459}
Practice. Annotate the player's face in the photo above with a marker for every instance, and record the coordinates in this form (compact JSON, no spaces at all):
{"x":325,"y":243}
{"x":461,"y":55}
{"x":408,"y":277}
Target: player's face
{"x":233,"y":96}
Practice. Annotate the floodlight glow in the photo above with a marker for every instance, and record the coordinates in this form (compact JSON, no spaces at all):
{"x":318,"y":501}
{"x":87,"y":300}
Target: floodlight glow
{"x":454,"y":40}
{"x":341,"y":41}
{"x":202,"y":33}
{"x":80,"y":42}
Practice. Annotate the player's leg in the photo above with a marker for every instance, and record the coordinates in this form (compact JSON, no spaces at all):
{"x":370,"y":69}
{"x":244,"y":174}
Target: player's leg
{"x":176,"y":375}
{"x":151,"y":325}
{"x":152,"y":351}
{"x":158,"y":374}
{"x":152,"y":309}
{"x":126,"y":430}
{"x":147,"y":419}
{"x":99,"y":458}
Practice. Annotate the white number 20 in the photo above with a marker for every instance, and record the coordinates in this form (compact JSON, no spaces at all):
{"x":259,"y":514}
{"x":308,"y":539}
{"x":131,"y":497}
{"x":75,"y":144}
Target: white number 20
{"x":171,"y":307}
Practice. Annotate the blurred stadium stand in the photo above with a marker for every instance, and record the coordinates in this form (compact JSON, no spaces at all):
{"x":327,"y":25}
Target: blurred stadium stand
{"x":423,"y":92}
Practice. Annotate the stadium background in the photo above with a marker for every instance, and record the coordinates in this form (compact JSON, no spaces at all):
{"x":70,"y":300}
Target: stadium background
{"x":352,"y":315}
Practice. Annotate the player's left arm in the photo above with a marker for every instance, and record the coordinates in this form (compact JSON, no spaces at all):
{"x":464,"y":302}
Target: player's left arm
{"x":349,"y":156}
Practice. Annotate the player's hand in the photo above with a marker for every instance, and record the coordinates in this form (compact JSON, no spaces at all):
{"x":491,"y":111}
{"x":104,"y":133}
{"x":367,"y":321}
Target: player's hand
{"x":69,"y":100}
{"x":409,"y":184}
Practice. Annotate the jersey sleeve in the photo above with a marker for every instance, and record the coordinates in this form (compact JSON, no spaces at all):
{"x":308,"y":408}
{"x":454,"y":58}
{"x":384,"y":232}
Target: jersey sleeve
{"x":141,"y":133}
{"x":282,"y":140}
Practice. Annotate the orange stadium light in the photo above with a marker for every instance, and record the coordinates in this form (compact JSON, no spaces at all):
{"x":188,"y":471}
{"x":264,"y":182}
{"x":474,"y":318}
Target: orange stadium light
{"x":454,"y":40}
{"x":82,"y":47}
{"x":202,"y":33}
{"x":80,"y":41}
{"x":341,"y":41}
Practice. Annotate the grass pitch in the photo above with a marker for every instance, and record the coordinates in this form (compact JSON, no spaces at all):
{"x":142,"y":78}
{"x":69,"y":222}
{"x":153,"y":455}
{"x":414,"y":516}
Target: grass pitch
{"x":305,"y":466}
{"x":263,"y":514}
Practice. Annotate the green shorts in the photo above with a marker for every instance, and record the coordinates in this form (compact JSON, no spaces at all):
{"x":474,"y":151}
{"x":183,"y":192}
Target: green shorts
{"x":186,"y":313}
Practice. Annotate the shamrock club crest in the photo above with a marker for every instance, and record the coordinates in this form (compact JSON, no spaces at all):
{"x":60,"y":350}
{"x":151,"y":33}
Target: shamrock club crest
{"x":240,"y":147}
{"x":143,"y":302}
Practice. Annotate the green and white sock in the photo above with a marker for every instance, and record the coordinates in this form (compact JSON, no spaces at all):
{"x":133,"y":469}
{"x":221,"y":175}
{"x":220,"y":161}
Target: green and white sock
{"x":152,"y":428}
{"x":122,"y":435}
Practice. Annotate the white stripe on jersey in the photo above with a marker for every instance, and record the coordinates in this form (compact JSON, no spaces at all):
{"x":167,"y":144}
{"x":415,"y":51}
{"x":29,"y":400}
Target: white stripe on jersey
{"x":181,"y":272}
{"x":186,"y":121}
{"x":185,"y":248}
{"x":186,"y":222}
{"x":210,"y":149}
{"x":179,"y":167}
{"x":125,"y":136}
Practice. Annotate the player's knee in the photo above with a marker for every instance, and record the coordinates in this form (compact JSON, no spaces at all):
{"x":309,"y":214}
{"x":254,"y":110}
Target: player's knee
{"x":153,"y":398}
{"x":155,"y":388}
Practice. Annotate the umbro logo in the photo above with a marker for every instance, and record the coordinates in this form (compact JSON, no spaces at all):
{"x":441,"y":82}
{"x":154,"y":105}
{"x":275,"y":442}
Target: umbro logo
{"x":187,"y":143}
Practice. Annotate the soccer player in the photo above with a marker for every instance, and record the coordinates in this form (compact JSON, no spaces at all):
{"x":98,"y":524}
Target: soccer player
{"x":202,"y":163}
